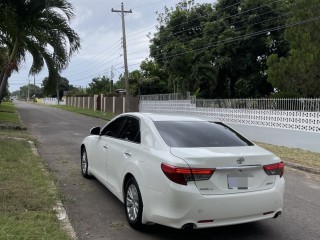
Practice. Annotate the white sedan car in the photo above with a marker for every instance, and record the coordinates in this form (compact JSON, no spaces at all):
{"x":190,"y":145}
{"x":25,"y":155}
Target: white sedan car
{"x":183,"y":172}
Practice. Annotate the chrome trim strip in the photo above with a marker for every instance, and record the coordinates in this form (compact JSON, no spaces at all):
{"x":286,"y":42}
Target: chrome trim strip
{"x":240,"y":167}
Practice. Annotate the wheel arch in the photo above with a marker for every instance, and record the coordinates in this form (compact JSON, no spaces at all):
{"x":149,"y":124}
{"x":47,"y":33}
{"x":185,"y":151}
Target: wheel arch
{"x":83,"y":147}
{"x":124,"y":183}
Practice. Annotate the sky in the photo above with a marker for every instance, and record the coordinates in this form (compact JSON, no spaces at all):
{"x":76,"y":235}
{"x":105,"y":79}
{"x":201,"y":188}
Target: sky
{"x":100,"y":31}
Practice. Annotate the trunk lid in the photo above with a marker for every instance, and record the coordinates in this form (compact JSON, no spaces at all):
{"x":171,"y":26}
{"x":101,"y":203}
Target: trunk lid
{"x":238,"y":169}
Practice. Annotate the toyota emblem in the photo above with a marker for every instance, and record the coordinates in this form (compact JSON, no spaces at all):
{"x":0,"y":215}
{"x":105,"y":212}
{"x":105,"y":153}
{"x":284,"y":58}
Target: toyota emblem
{"x":240,"y":160}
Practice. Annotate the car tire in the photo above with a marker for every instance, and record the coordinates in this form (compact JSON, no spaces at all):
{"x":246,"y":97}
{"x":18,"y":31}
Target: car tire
{"x":133,"y":204}
{"x":84,"y":164}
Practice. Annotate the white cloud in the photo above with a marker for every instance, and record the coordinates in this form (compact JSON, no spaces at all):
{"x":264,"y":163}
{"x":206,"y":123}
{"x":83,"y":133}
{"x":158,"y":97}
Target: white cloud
{"x":100,"y":31}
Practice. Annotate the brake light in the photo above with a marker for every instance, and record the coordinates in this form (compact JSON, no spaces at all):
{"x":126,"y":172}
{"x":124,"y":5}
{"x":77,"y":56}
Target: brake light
{"x":274,"y":169}
{"x":183,"y":175}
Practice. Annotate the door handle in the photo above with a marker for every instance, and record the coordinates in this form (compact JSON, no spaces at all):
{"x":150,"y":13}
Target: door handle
{"x":127,"y":154}
{"x":105,"y":146}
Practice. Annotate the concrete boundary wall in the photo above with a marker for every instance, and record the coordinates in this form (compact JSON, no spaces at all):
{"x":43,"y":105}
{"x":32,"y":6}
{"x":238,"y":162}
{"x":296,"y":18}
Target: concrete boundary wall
{"x":293,"y":120}
{"x":114,"y":105}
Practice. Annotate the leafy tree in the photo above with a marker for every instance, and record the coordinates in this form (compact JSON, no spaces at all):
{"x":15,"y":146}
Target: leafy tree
{"x":63,"y":87}
{"x":34,"y":90}
{"x":299,"y":72}
{"x":150,"y":79}
{"x":135,"y":79}
{"x":120,"y":84}
{"x":32,"y":25}
{"x":242,"y":43}
{"x":153,"y":79}
{"x":99,"y":85}
{"x":15,"y":93}
{"x":179,"y":32}
{"x":219,"y":51}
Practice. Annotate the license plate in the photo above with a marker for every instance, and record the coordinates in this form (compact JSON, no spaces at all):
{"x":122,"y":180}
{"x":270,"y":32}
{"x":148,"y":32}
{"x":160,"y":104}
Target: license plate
{"x":237,"y":181}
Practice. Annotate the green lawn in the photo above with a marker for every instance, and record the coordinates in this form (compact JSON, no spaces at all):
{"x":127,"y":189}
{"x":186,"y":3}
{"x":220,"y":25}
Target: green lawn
{"x":294,"y":155}
{"x":8,"y":114}
{"x":98,"y":114}
{"x":27,"y":195}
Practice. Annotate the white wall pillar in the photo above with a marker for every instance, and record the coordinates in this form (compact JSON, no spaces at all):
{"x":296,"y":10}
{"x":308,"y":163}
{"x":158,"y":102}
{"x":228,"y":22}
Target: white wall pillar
{"x":114,"y":105}
{"x":95,"y":98}
{"x":124,"y":104}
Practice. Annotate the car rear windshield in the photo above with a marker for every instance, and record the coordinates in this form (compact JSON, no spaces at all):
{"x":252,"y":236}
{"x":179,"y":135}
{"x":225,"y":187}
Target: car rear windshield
{"x":191,"y":134}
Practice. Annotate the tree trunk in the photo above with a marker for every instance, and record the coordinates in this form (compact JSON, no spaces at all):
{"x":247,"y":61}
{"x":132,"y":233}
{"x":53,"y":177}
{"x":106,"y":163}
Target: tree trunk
{"x":3,"y":86}
{"x":1,"y":75}
{"x":9,"y":68}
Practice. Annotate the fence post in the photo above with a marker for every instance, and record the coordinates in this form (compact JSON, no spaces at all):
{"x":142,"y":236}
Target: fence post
{"x":113,"y":104}
{"x":101,"y":102}
{"x":95,"y":98}
{"x":123,"y":104}
{"x":104,"y":104}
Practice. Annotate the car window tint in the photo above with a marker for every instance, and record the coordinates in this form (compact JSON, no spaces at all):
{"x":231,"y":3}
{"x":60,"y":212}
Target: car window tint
{"x":131,"y":130}
{"x":113,"y":129}
{"x":199,"y":134}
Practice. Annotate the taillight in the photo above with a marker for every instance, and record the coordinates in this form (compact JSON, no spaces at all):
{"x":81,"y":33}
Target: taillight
{"x":183,"y":175}
{"x":274,"y":169}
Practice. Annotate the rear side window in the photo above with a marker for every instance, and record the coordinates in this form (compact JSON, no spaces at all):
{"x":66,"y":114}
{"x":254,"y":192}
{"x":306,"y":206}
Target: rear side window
{"x":199,"y":134}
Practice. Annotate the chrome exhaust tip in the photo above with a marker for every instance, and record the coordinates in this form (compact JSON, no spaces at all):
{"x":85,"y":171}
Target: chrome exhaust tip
{"x":188,"y":227}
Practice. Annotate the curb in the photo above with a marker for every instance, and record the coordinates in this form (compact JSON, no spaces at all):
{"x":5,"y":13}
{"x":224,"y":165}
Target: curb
{"x":12,"y":127}
{"x":61,"y":212}
{"x":302,"y":168}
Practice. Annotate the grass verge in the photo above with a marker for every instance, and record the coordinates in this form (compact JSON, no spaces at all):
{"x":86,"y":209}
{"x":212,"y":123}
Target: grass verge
{"x":294,"y":155}
{"x":88,"y":112}
{"x":8,"y":113}
{"x":27,"y":196}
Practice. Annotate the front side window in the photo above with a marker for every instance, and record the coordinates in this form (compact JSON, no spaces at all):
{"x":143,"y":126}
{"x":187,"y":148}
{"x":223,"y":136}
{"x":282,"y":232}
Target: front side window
{"x":131,"y":130}
{"x":113,"y":129}
{"x":194,"y":134}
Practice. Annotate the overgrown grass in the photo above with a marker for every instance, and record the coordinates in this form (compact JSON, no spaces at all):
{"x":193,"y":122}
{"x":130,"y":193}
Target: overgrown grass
{"x":98,"y":114}
{"x":8,"y":133}
{"x":8,"y":113}
{"x":294,"y":155}
{"x":27,"y":196}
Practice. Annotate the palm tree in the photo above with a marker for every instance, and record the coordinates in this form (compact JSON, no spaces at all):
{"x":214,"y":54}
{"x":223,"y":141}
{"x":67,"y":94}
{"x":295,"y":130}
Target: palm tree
{"x":41,"y":28}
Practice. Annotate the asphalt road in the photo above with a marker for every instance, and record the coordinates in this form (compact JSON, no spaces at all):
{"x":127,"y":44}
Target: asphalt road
{"x":96,"y":214}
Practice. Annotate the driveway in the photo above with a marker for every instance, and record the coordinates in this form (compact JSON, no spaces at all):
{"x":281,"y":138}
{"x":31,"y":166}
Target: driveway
{"x":96,"y":214}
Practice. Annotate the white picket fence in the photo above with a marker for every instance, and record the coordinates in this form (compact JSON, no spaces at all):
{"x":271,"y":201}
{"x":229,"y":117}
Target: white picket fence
{"x":50,"y":101}
{"x":305,"y":120}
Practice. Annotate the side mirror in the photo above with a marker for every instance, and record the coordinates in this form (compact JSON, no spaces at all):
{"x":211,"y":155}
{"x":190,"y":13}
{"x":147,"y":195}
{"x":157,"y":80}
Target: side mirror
{"x":95,"y":131}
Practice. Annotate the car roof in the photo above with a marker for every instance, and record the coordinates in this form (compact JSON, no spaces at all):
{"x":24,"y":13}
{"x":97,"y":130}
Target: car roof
{"x":168,"y":117}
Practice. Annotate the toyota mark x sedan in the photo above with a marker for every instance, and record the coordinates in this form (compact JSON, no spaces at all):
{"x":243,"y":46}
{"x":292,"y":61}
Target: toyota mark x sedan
{"x":183,"y":172}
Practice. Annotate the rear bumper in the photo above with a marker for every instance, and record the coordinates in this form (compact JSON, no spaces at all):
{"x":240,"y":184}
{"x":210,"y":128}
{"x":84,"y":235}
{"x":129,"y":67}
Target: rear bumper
{"x":181,"y":205}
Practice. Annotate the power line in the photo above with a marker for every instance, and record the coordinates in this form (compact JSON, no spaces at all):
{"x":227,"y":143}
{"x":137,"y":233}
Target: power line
{"x":245,"y":36}
{"x":245,"y":26}
{"x":238,"y":14}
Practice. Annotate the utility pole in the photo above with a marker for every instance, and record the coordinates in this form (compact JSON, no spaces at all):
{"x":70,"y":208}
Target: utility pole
{"x":34,"y":89}
{"x":58,"y":92}
{"x":126,"y":75}
{"x":111,"y":78}
{"x":28,"y":90}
